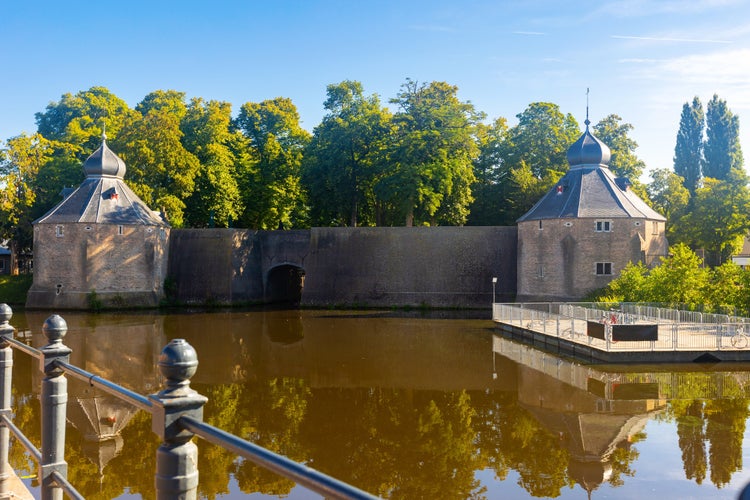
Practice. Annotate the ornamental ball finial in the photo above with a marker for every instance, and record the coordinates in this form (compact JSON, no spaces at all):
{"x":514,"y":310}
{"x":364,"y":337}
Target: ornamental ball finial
{"x":55,"y":328}
{"x":178,"y":361}
{"x":5,"y":313}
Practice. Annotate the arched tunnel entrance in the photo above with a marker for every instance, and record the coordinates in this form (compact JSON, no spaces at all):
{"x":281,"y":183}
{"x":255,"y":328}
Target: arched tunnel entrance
{"x":284,"y":284}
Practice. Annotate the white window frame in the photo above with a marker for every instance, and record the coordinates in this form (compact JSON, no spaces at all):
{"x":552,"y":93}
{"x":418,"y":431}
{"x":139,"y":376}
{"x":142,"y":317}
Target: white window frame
{"x":59,"y":230}
{"x":603,"y":226}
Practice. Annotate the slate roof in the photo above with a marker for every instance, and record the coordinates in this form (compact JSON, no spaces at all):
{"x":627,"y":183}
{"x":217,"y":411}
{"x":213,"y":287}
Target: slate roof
{"x":103,"y":197}
{"x":590,"y":189}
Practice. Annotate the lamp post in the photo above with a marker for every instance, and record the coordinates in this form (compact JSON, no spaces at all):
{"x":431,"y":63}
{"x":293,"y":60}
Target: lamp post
{"x":494,"y":282}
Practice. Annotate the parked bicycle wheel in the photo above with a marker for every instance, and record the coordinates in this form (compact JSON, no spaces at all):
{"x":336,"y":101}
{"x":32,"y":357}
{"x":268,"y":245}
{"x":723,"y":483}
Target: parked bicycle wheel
{"x":739,"y":341}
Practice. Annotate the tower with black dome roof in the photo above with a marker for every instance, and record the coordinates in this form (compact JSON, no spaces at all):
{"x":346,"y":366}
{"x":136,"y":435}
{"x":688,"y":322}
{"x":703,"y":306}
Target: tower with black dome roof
{"x":585,"y":230}
{"x":101,"y":245}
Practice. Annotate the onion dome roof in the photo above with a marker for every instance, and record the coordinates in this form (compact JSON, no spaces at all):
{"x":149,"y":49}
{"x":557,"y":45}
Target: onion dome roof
{"x":590,"y":189}
{"x":588,"y":150}
{"x":103,"y":197}
{"x":103,"y":162}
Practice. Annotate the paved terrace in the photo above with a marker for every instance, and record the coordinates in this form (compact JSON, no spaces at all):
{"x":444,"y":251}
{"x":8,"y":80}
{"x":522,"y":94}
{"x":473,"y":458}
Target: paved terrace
{"x":625,"y":333}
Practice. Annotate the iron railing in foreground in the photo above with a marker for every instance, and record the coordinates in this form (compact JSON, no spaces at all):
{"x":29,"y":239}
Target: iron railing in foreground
{"x":177,"y":416}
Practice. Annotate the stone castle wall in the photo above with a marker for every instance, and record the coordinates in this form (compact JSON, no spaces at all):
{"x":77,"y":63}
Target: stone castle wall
{"x":122,"y":265}
{"x":557,"y":257}
{"x":377,"y":267}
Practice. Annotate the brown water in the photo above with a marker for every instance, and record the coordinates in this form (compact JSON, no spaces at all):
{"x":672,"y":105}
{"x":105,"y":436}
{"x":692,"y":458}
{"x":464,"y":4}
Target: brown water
{"x":401,"y":405}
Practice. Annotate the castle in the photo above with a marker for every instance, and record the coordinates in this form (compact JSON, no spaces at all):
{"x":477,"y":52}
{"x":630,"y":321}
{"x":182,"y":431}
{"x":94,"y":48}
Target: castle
{"x":100,"y":245}
{"x":103,"y":246}
{"x":585,"y":230}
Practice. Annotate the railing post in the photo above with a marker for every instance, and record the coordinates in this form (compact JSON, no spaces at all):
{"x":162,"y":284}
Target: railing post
{"x":177,"y":457}
{"x":6,"y":373}
{"x":54,"y":400}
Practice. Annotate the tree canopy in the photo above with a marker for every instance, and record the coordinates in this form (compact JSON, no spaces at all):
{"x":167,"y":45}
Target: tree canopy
{"x":431,"y":158}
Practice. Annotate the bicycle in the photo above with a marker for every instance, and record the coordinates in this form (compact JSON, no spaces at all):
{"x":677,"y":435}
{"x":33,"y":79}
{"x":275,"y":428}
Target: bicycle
{"x":739,"y":339}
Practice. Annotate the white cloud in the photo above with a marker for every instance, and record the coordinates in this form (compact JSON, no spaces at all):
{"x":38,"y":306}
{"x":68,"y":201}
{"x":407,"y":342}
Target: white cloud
{"x":730,"y":67}
{"x":667,"y":39}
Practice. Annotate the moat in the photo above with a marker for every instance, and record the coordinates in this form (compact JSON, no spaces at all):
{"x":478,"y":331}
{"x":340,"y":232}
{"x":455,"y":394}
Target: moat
{"x":400,"y":404}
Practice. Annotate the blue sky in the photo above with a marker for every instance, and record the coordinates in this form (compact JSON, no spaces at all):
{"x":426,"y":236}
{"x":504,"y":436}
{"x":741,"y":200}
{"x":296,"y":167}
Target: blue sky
{"x":641,"y":59}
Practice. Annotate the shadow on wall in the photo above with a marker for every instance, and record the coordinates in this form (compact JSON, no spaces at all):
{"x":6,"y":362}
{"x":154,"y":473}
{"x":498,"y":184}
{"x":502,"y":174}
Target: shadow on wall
{"x":284,"y":285}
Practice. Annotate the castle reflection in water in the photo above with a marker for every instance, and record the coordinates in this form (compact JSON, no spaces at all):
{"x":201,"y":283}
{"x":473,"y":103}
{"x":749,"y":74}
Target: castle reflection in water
{"x":404,"y":405}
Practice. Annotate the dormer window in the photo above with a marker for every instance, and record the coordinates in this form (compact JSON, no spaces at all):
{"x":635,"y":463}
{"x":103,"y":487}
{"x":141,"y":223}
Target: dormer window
{"x":603,"y":226}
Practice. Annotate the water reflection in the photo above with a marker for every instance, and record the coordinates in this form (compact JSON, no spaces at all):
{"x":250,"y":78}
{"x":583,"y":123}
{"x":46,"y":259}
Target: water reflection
{"x":401,"y":406}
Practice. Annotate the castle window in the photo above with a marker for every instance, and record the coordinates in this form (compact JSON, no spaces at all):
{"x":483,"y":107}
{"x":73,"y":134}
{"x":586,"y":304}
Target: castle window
{"x":540,"y":272}
{"x":603,"y":268}
{"x":656,"y":228}
{"x":119,"y":230}
{"x":540,"y":224}
{"x":59,"y":231}
{"x":603,"y":226}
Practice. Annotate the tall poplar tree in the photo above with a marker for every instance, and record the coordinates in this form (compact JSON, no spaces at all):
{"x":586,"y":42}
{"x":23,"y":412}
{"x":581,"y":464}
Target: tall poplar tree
{"x":688,"y":153}
{"x":722,"y":150}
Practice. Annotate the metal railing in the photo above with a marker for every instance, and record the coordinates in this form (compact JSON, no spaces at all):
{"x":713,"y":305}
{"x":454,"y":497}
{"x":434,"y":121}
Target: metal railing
{"x":678,"y":330}
{"x":177,"y":416}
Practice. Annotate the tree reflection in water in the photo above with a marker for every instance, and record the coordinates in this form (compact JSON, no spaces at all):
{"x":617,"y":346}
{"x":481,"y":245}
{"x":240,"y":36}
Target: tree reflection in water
{"x":398,"y":418}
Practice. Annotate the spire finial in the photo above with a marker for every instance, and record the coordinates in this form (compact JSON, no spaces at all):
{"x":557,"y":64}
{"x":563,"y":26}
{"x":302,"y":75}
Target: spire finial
{"x":587,"y":122}
{"x":104,"y":131}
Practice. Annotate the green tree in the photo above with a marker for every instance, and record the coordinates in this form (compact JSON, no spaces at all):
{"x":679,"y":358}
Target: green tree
{"x":79,"y":119}
{"x":720,"y":216}
{"x":216,"y":198}
{"x":33,"y":171}
{"x":669,"y":197}
{"x":680,"y":279}
{"x":632,"y":285}
{"x":161,"y":171}
{"x":542,"y":138}
{"x":727,"y":288}
{"x":20,"y":162}
{"x":270,"y":172}
{"x":691,"y":435}
{"x":491,"y":186}
{"x":535,"y":156}
{"x":624,"y":162}
{"x":722,"y":150}
{"x":688,"y":153}
{"x":430,"y":174}
{"x":345,"y":157}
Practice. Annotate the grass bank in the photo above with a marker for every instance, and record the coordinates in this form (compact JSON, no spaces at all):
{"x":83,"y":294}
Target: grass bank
{"x":13,"y":289}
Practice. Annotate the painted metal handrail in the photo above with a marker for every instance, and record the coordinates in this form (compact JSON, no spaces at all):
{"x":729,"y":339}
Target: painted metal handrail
{"x":299,"y":473}
{"x":177,"y":416}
